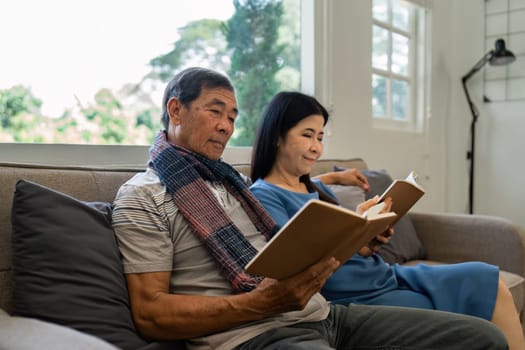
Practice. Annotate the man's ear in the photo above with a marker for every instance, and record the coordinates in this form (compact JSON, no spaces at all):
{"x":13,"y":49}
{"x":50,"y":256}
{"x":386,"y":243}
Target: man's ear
{"x":174,"y":109}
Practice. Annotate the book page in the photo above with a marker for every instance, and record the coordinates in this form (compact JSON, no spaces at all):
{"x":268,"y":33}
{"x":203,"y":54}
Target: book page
{"x":412,"y":178}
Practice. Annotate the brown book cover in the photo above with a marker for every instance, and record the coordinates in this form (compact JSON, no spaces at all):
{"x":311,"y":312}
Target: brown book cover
{"x":317,"y":231}
{"x":404,"y":193}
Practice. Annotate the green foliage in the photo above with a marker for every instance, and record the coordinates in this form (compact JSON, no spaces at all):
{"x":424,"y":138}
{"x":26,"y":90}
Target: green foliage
{"x":256,"y":59}
{"x":86,"y":136}
{"x":114,"y":131}
{"x":145,"y":118}
{"x":260,"y":55}
{"x":106,"y":113}
{"x":258,"y":47}
{"x":15,"y":101}
{"x":149,"y":120}
{"x":289,"y":76}
{"x":200,"y":42}
{"x":106,"y":100}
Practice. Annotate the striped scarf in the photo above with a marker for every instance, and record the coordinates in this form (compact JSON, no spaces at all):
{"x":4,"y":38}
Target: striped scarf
{"x":185,"y":174}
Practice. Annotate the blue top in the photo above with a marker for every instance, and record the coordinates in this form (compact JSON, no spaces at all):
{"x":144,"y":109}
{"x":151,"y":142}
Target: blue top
{"x":369,"y":275}
{"x":468,"y":288}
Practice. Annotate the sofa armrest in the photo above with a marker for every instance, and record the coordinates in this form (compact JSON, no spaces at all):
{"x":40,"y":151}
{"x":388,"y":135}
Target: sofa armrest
{"x":460,"y":237}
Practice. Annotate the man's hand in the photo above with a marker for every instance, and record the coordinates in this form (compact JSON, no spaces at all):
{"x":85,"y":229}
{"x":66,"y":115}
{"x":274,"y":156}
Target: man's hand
{"x":293,"y":293}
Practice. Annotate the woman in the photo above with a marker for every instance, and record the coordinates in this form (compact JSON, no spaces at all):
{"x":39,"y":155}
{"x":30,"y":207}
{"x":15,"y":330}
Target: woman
{"x":288,"y":143}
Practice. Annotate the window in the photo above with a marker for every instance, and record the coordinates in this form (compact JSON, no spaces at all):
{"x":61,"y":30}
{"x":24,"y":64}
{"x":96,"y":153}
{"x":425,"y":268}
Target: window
{"x":93,"y":72}
{"x":398,"y":47}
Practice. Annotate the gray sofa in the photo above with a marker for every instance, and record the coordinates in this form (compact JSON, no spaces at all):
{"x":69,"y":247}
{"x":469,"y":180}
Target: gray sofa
{"x":441,"y":238}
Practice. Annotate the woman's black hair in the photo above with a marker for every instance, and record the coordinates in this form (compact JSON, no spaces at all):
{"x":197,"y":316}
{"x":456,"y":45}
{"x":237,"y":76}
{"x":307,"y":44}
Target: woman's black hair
{"x":284,"y":111}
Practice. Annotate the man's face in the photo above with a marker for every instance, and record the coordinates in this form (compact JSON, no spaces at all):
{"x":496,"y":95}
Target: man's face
{"x":206,"y":124}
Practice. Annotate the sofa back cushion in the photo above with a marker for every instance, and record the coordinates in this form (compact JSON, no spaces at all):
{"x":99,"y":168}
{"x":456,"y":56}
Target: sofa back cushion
{"x":85,"y":183}
{"x":66,"y":265}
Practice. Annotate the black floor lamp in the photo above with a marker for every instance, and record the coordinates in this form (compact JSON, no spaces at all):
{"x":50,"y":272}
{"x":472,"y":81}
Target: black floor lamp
{"x":498,"y":57}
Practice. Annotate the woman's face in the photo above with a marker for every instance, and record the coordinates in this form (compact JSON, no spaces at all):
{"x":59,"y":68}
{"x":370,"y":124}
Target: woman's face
{"x":302,"y":146}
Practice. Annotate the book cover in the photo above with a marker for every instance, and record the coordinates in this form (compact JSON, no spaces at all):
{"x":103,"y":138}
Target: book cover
{"x":319,"y":230}
{"x":404,"y":193}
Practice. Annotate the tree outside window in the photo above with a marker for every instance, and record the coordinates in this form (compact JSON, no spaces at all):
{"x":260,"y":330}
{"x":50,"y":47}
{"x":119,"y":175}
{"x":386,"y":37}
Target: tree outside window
{"x":258,"y":47}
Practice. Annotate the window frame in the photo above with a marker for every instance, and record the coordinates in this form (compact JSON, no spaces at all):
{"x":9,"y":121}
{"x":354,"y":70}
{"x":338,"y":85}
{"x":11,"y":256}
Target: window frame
{"x":419,"y":46}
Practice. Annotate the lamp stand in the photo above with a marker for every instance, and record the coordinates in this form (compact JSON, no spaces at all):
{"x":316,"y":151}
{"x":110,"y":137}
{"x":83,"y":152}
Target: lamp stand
{"x":499,"y":56}
{"x":470,"y":152}
{"x":475,"y":114}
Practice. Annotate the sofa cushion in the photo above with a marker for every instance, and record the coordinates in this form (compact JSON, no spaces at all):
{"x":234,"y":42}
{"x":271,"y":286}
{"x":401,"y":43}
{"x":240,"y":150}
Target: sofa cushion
{"x":66,"y":265}
{"x":348,"y":196}
{"x":19,"y":333}
{"x":405,"y":244}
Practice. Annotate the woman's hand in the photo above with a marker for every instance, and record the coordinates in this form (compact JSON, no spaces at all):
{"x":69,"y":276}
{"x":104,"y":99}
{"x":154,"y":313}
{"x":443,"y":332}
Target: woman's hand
{"x":347,"y":177}
{"x":361,"y":208}
{"x":375,"y":244}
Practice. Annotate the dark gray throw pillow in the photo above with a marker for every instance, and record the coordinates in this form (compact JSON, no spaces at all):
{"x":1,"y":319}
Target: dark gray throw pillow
{"x":348,"y":196}
{"x":67,"y":267}
{"x":405,"y":244}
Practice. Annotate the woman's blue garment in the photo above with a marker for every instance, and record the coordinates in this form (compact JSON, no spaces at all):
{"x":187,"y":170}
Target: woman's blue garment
{"x":468,"y":288}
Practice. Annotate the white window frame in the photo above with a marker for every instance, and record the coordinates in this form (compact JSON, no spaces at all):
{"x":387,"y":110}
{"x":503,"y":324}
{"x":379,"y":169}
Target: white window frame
{"x":134,"y":156}
{"x":419,"y":51}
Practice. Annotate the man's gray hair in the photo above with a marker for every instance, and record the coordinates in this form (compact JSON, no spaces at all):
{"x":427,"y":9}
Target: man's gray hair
{"x":187,"y":85}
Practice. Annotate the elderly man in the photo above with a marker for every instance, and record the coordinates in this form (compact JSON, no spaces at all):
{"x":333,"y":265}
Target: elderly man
{"x":188,"y":225}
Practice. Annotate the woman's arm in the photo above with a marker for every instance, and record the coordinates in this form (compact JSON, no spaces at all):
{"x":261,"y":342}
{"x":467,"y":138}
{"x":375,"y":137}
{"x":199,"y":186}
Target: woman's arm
{"x":348,"y":177}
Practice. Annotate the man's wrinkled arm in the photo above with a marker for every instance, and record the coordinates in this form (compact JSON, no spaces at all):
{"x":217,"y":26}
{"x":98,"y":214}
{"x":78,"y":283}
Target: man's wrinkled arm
{"x":163,"y":316}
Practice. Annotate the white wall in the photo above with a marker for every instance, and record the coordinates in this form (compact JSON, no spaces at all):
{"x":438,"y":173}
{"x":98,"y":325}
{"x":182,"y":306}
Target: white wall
{"x":351,"y":134}
{"x":500,"y":150}
{"x":439,"y":153}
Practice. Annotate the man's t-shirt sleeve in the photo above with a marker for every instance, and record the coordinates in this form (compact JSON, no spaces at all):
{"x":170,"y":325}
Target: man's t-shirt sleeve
{"x":142,"y":230}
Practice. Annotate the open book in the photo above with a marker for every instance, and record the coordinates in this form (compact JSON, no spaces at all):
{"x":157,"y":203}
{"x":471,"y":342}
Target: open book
{"x":318,"y":230}
{"x":404,"y":193}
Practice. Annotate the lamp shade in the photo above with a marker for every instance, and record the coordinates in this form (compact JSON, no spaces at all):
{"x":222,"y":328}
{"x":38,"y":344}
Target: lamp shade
{"x":501,"y":56}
